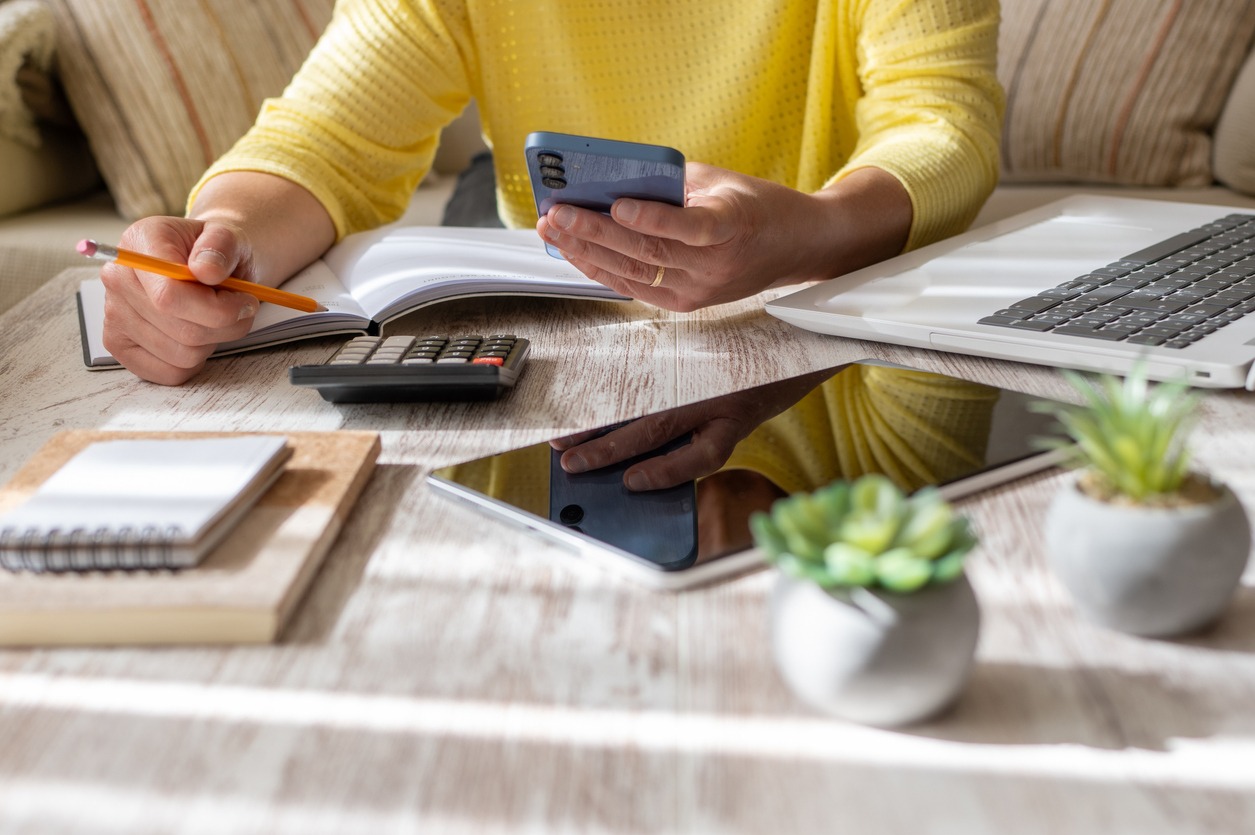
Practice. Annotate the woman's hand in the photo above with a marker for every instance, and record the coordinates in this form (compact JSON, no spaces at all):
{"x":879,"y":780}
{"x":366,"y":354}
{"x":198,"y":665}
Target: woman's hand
{"x":161,"y":329}
{"x":735,"y":236}
{"x":718,"y":425}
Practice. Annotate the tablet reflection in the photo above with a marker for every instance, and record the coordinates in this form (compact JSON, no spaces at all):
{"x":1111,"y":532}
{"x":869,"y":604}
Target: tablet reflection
{"x":677,"y":488}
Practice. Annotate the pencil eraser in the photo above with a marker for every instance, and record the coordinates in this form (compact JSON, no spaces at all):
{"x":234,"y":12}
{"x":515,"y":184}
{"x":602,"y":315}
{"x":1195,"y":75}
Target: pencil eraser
{"x":86,"y":247}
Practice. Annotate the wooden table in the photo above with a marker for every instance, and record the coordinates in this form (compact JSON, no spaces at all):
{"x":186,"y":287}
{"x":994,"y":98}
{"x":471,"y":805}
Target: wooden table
{"x":450,"y":674}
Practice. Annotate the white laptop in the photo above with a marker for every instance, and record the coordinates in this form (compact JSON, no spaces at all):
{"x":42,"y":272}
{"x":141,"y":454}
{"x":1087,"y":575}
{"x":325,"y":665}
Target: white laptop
{"x":1123,"y":279}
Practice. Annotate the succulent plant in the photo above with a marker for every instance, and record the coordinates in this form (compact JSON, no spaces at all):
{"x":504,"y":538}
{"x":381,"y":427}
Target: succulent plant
{"x":1129,"y":435}
{"x":865,"y":532}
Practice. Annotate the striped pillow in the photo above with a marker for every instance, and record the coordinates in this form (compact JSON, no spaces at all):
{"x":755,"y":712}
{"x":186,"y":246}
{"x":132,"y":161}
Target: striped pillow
{"x":161,"y":88}
{"x":1117,"y":91}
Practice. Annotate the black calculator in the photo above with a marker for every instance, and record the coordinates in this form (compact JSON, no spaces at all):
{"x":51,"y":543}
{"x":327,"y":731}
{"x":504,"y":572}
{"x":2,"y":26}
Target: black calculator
{"x":408,"y":369}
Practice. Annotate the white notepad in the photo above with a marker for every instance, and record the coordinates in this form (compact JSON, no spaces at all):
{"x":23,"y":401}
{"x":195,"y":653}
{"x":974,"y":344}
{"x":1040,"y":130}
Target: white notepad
{"x":124,"y":504}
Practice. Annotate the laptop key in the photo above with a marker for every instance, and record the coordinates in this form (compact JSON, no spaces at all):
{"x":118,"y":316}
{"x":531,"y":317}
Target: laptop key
{"x":1034,"y":304}
{"x":1169,"y":246}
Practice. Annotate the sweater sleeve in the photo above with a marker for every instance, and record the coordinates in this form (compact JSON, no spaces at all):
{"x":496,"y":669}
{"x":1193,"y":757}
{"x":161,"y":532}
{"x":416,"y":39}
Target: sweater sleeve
{"x":358,"y":125}
{"x":931,"y":107}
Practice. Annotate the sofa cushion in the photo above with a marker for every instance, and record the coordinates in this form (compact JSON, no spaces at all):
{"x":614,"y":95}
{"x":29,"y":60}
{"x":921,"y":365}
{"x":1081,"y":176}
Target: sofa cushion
{"x":40,"y":161}
{"x":162,"y":88}
{"x":1117,"y":91}
{"x":60,"y":167}
{"x":1235,"y":134}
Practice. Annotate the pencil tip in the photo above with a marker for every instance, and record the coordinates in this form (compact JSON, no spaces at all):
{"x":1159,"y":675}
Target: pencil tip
{"x":86,"y":247}
{"x":321,"y":309}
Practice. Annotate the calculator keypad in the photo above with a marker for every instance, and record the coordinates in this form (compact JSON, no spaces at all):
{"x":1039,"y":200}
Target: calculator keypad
{"x":426,"y":350}
{"x":375,"y":369}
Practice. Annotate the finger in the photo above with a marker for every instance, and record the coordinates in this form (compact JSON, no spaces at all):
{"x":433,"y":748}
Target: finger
{"x":710,"y":448}
{"x":136,"y":344}
{"x":695,"y":225}
{"x":218,"y":254}
{"x":568,"y":441}
{"x":635,"y":438}
{"x":188,"y":312}
{"x":595,"y":239}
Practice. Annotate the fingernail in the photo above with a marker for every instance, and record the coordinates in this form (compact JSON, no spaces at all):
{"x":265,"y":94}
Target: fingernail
{"x":249,"y":310}
{"x":637,"y":481}
{"x":212,"y":257}
{"x":627,"y":210}
{"x":573,"y":462}
{"x":564,"y":218}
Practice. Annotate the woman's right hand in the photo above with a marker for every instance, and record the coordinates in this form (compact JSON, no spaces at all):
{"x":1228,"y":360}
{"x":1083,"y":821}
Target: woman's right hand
{"x":163,"y":329}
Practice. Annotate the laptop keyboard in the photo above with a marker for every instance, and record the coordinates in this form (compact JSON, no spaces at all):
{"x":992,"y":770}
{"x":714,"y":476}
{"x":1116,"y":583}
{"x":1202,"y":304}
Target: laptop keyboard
{"x":1170,"y":294}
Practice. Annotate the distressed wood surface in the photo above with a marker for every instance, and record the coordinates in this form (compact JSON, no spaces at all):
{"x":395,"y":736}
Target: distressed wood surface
{"x":449,"y":673}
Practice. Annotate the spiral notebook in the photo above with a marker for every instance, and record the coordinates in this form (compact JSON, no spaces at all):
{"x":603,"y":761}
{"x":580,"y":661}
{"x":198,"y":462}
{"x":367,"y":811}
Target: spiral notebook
{"x":245,"y":590}
{"x":140,"y":503}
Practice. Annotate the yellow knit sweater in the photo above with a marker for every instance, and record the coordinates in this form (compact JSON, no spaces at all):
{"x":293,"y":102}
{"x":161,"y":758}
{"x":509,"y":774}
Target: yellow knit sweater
{"x":796,"y":91}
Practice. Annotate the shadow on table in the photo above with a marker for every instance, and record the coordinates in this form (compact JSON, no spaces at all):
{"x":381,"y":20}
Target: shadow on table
{"x":345,"y":563}
{"x":1109,"y":707}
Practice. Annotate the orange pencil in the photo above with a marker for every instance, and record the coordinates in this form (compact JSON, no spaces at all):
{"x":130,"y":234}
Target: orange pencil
{"x":170,"y":269}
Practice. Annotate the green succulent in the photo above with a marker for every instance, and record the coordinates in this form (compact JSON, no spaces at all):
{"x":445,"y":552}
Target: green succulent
{"x":865,"y":532}
{"x":1128,"y":434}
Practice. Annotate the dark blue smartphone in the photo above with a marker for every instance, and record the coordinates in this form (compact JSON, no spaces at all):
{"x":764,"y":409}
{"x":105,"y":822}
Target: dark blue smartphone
{"x":592,"y":173}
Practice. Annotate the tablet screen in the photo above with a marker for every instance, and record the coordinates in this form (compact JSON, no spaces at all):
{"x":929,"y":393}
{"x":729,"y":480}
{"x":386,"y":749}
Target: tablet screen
{"x":667,"y":497}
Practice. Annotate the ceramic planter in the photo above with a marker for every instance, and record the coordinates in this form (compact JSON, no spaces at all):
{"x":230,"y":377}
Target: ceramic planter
{"x":1148,"y":571}
{"x":871,"y":656}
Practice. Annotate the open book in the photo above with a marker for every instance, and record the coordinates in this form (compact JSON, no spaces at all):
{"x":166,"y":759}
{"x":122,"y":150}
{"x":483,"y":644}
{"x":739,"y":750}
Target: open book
{"x":371,"y":278}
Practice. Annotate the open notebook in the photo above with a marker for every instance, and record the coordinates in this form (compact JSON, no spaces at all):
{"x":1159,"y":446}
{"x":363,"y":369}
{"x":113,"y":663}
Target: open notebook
{"x":1092,"y":283}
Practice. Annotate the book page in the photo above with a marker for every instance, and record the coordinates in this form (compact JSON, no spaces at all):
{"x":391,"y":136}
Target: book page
{"x":393,"y":270}
{"x":274,"y":323}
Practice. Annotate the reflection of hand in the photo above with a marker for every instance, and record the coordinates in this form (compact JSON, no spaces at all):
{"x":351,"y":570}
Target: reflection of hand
{"x":717,"y":424}
{"x":735,"y":236}
{"x":725,"y":502}
{"x":164,"y":330}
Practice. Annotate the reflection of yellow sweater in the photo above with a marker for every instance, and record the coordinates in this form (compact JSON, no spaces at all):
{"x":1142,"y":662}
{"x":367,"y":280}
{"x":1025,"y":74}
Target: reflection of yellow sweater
{"x":794,"y":91}
{"x":917,"y":428}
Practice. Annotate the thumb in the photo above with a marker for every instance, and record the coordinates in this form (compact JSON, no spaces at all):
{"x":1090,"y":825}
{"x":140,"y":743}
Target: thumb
{"x":218,"y":253}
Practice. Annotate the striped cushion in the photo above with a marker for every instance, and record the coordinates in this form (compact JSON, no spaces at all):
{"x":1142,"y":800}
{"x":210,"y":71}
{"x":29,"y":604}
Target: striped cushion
{"x":163,"y":87}
{"x":1117,"y":91}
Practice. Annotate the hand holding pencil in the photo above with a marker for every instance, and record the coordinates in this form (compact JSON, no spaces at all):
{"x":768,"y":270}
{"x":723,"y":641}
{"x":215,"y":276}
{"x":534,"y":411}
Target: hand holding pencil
{"x":171,"y":269}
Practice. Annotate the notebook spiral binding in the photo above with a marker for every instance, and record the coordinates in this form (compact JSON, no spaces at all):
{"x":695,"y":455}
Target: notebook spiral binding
{"x":78,"y":549}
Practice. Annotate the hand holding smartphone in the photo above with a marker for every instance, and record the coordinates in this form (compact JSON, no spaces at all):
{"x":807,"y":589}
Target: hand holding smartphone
{"x":592,"y":173}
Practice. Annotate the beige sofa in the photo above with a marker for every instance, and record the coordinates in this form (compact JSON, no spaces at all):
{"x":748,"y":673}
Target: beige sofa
{"x":158,"y":95}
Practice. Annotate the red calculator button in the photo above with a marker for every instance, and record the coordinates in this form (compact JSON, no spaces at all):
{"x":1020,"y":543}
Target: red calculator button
{"x":488,"y":361}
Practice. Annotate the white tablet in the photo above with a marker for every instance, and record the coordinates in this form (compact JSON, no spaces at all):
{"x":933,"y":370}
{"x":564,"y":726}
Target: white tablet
{"x":919,"y":428}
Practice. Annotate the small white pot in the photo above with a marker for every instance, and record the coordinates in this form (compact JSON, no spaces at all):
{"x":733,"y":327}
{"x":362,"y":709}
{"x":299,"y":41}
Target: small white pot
{"x":1148,"y":571}
{"x":872,"y":656}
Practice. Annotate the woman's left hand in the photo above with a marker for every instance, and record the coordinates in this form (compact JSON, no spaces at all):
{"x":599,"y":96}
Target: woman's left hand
{"x":735,"y":236}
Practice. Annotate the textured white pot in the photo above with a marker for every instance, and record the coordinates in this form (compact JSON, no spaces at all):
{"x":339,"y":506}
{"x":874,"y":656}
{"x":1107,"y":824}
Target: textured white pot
{"x":1148,"y":571}
{"x":871,"y":656}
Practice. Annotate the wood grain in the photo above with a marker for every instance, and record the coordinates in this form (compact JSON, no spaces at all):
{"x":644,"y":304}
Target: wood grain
{"x":447,"y":672}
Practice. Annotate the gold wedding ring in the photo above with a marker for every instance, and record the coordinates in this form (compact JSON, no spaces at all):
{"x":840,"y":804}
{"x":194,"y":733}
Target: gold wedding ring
{"x":658,"y":276}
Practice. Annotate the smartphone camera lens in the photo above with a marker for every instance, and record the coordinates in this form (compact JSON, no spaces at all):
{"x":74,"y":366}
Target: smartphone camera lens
{"x":552,"y":174}
{"x":572,"y":514}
